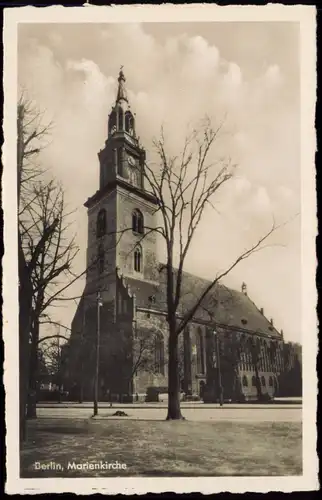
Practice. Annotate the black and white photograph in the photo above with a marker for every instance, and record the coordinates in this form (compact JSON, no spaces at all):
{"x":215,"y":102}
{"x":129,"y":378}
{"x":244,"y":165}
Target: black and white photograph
{"x":159,"y":268}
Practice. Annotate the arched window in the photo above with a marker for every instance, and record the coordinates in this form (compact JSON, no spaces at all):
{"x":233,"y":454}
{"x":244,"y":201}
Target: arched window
{"x":120,"y":161}
{"x":270,"y":381}
{"x":200,"y":352}
{"x":137,"y":222}
{"x":159,"y":354}
{"x":120,"y":118}
{"x":249,"y":353}
{"x":242,"y":355}
{"x":253,"y":381}
{"x":101,"y":223}
{"x":263,"y":381}
{"x":101,"y":259}
{"x":129,"y":123}
{"x":112,"y":123}
{"x":264,"y":356}
{"x":245,"y":381}
{"x":138,"y":259}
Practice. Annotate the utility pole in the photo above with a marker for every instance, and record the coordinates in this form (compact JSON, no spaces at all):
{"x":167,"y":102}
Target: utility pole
{"x":221,"y":396}
{"x":59,"y":368}
{"x":98,"y":334}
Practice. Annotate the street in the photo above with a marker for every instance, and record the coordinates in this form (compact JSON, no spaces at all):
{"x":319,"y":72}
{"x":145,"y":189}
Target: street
{"x":242,"y":413}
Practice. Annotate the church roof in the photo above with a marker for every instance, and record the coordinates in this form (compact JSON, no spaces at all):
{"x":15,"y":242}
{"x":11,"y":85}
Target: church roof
{"x":222,"y":305}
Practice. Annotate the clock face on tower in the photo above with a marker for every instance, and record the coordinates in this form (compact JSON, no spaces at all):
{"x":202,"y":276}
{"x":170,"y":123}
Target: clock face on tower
{"x":131,"y":161}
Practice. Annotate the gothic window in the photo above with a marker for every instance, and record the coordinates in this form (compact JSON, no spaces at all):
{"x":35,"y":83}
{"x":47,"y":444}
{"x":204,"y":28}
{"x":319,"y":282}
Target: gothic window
{"x":120,"y":118}
{"x":249,"y":350}
{"x":112,"y":123}
{"x":138,"y":259}
{"x":133,"y":176}
{"x":263,"y":381}
{"x":101,"y":223}
{"x":159,"y":354}
{"x":245,"y":381}
{"x":101,"y":259}
{"x":270,"y":381}
{"x":120,"y":161}
{"x":137,"y":222}
{"x":253,"y":381}
{"x":261,"y":361}
{"x":200,"y":352}
{"x":129,"y":123}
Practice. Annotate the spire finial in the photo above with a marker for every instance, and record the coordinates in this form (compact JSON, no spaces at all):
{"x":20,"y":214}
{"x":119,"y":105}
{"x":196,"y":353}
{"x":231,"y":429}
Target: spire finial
{"x":121,"y":93}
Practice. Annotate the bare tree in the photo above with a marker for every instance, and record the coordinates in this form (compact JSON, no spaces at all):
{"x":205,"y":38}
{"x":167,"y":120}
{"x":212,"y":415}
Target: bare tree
{"x":53,"y":262}
{"x":45,"y":251}
{"x":184,"y":186}
{"x":128,"y":355}
{"x":29,"y":132}
{"x":51,"y":352}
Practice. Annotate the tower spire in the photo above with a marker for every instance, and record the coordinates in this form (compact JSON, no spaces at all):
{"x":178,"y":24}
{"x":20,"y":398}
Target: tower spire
{"x":121,"y":92}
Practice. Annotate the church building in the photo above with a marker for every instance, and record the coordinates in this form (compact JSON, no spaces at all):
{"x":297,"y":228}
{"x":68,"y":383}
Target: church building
{"x":229,"y":350}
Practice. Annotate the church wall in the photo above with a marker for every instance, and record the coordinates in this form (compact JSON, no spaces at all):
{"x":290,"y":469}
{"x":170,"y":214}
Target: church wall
{"x":250,"y":390}
{"x":108,"y":241}
{"x":156,"y":324}
{"x":126,"y":203}
{"x":120,"y":325}
{"x":198,"y":376}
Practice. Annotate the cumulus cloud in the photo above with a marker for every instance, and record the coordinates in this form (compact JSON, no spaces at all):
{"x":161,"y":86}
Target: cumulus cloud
{"x":173,"y":80}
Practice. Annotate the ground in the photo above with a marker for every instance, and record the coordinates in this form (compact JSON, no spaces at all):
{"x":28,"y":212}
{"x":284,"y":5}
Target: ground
{"x":192,"y":411}
{"x":155,"y":447}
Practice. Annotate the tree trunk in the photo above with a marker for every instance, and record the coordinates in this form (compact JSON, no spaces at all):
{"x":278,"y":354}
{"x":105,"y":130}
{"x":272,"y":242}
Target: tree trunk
{"x":32,"y":393}
{"x":33,"y":374}
{"x":174,"y":411}
{"x":23,"y":373}
{"x":25,"y":297}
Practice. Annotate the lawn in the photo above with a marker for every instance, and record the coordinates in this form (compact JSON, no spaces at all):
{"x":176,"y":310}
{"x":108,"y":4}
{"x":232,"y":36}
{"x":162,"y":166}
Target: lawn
{"x":161,"y":448}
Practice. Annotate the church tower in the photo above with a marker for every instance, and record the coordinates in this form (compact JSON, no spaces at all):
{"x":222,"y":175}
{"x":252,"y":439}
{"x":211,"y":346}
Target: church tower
{"x":121,"y":213}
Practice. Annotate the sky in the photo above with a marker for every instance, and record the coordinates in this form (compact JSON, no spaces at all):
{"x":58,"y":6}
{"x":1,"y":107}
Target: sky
{"x":176,"y":73}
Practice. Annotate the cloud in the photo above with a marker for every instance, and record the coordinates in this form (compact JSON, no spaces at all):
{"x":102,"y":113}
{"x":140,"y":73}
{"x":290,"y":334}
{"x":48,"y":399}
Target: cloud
{"x":273,"y":75}
{"x":172,"y":80}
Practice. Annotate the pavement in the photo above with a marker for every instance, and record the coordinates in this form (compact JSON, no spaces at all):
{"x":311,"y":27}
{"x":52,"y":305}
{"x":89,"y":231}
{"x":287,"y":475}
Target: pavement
{"x":281,"y":402}
{"x":241,"y":413}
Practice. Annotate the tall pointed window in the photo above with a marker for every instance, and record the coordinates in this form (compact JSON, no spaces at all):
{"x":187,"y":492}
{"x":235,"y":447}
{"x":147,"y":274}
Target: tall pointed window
{"x":120,"y":118}
{"x":159,"y":354}
{"x":138,"y":259}
{"x":137,"y":222}
{"x":101,"y":223}
{"x":200,"y":352}
{"x":129,"y":123}
{"x":112,"y":123}
{"x":119,"y":154}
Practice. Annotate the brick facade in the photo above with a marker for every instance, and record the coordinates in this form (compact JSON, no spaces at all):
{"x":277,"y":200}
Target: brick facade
{"x":134,"y":332}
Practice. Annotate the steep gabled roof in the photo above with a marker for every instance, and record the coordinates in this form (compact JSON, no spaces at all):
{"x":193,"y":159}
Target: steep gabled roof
{"x":222,"y":305}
